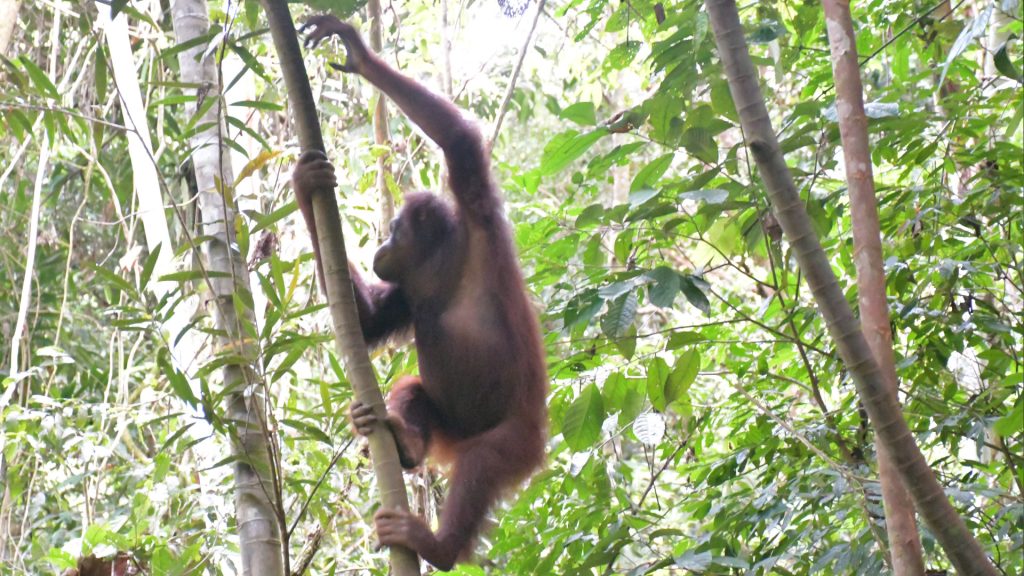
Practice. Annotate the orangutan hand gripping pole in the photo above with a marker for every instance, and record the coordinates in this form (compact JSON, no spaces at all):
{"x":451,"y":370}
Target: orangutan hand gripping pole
{"x":452,"y":275}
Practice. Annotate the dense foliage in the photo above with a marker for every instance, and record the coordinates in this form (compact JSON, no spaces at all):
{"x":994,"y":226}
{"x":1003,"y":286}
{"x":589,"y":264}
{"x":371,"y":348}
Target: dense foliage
{"x":700,"y":419}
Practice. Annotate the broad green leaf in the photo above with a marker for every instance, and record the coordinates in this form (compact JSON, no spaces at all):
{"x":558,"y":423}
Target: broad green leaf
{"x":622,"y":55}
{"x":1012,"y":423}
{"x":566,"y":147}
{"x":657,"y":375}
{"x":1005,"y":66}
{"x":626,"y":345}
{"x":625,"y":395}
{"x":694,"y":561}
{"x":682,"y":377}
{"x":648,"y":176}
{"x":664,"y":288}
{"x":701,"y":143}
{"x":664,"y":113}
{"x":581,"y":113}
{"x":582,"y":424}
{"x":641,"y":196}
{"x":766,"y":31}
{"x":620,"y":315}
{"x":706,"y":195}
{"x":590,"y":216}
{"x":693,"y":288}
{"x":615,"y":289}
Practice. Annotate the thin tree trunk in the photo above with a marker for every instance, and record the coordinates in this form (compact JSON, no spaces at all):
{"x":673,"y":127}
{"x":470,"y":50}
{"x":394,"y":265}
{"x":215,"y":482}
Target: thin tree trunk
{"x":904,"y":541}
{"x":146,"y":186}
{"x":348,"y":336}
{"x":446,"y":53}
{"x":949,"y":528}
{"x":17,"y":390}
{"x":257,"y":496}
{"x":8,"y":19}
{"x":510,"y":89}
{"x":380,"y":129}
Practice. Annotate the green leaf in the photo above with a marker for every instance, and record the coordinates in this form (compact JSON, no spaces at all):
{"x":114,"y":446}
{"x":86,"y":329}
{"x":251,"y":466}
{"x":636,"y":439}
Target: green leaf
{"x":693,"y":288}
{"x":683,"y":375}
{"x":148,"y":265}
{"x":699,"y":142}
{"x":582,"y":424}
{"x":590,"y":216}
{"x":582,"y":113}
{"x":1013,"y":422}
{"x":582,"y":308}
{"x":625,"y":395}
{"x":102,"y":79}
{"x":39,"y":78}
{"x":700,"y":28}
{"x":116,"y":6}
{"x":657,"y":376}
{"x":664,"y":288}
{"x":262,"y":105}
{"x":1005,"y":66}
{"x":641,"y":196}
{"x":566,"y":147}
{"x":619,"y":156}
{"x":193,"y":275}
{"x":694,"y":561}
{"x":309,"y":429}
{"x":114,"y":280}
{"x":615,"y":289}
{"x":161,"y":465}
{"x":626,"y":345}
{"x":974,"y":29}
{"x":648,"y":176}
{"x":250,"y":61}
{"x":622,"y":55}
{"x":343,"y":9}
{"x":766,"y":31}
{"x":179,"y":383}
{"x":664,"y":111}
{"x":706,"y":195}
{"x":620,"y":316}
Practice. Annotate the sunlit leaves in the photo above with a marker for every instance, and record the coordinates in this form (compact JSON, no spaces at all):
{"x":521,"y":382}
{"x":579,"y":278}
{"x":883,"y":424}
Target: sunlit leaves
{"x":622,"y":55}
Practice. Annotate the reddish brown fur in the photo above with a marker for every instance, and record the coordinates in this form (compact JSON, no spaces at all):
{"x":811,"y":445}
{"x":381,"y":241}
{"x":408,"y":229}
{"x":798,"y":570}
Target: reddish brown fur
{"x":453,"y":277}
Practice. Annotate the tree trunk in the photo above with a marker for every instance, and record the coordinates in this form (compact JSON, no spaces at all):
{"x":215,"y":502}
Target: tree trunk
{"x":949,"y":528}
{"x":904,"y":541}
{"x":348,"y":336}
{"x":257,"y":495}
{"x":380,"y":130}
